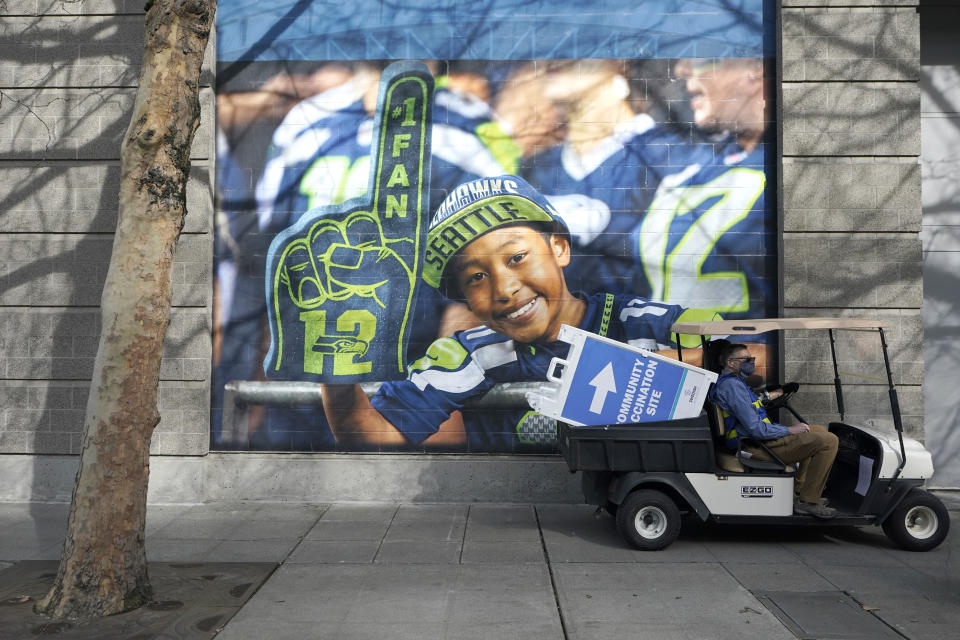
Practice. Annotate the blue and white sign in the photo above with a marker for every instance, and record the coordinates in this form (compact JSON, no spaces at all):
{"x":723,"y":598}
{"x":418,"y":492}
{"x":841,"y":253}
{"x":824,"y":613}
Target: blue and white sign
{"x":606,"y":382}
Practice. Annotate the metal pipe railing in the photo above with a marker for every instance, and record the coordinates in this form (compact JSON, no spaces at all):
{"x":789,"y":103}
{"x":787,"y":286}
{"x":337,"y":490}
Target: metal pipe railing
{"x":239,"y":394}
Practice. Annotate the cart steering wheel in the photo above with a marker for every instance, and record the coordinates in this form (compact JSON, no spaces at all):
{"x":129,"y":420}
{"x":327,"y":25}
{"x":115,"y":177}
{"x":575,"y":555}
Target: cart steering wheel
{"x":779,"y":402}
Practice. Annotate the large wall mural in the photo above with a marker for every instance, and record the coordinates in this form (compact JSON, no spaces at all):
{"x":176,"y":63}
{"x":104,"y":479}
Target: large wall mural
{"x":375,"y":160}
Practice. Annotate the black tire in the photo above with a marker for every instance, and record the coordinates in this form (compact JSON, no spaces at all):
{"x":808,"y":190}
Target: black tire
{"x":919,"y":523}
{"x":648,"y":519}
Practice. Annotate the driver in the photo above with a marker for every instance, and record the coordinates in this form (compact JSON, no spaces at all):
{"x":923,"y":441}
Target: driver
{"x":811,"y":446}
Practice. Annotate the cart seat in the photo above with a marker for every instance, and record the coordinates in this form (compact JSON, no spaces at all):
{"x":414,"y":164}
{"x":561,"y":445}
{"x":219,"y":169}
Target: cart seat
{"x":728,"y":461}
{"x":741,"y":461}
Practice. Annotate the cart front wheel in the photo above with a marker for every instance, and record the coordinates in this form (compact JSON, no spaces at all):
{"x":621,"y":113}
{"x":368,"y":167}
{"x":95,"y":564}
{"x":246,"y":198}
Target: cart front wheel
{"x":648,"y":520}
{"x":919,"y":523}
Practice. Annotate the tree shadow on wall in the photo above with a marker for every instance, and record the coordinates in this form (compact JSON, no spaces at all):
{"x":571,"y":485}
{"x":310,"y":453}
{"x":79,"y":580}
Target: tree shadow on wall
{"x":67,"y":117}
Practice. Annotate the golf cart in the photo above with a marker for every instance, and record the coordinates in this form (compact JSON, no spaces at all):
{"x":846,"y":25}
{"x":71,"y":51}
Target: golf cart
{"x":648,"y":473}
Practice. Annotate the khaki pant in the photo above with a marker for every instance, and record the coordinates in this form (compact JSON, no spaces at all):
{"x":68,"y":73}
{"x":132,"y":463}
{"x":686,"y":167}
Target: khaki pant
{"x":814,"y":452}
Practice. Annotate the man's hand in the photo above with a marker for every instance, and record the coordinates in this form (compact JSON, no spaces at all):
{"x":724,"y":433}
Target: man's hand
{"x":800,"y":427}
{"x":342,"y":281}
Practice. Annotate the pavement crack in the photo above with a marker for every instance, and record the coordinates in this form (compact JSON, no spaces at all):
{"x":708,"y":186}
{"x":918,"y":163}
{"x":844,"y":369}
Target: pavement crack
{"x":383,"y":538}
{"x":463,"y":538}
{"x":300,"y":540}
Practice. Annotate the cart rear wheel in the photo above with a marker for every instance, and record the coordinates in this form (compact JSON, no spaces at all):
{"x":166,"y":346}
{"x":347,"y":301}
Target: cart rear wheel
{"x":919,"y":523}
{"x":648,"y":519}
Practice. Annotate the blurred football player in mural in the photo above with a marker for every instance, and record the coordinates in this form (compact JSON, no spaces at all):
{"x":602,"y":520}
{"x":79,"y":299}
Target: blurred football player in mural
{"x":237,"y":111}
{"x":727,"y":95}
{"x":707,"y":239}
{"x":611,"y":151}
{"x":320,"y":153}
{"x":532,"y":123}
{"x":674,"y":212}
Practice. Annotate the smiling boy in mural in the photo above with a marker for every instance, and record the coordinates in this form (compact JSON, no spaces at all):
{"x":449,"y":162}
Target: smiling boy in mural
{"x":499,"y":246}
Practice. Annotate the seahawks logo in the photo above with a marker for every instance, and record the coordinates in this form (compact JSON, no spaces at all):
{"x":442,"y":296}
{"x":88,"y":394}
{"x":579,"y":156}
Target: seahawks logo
{"x":343,"y":345}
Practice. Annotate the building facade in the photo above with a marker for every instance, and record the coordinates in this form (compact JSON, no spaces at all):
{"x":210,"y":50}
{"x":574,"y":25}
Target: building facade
{"x":848,"y":193}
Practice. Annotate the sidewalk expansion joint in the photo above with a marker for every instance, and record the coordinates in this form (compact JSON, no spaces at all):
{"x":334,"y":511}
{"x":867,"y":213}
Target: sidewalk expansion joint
{"x":553,"y":580}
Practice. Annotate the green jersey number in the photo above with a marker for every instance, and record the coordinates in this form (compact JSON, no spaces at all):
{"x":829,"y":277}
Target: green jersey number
{"x":332,"y":180}
{"x":677,"y":277}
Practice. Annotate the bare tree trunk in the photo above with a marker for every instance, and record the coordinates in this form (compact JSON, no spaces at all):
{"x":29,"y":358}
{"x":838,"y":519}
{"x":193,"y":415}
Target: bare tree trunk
{"x":103,"y":568}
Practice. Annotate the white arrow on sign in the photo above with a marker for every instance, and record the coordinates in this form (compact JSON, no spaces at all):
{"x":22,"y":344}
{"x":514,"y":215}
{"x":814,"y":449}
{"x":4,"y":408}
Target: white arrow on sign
{"x":603,"y":384}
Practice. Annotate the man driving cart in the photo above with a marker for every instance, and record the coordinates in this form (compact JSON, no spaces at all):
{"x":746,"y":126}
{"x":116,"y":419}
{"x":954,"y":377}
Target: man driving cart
{"x":811,"y":447}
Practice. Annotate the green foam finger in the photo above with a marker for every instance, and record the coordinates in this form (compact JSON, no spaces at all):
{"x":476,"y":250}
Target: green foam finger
{"x":400,"y":180}
{"x":342,"y":281}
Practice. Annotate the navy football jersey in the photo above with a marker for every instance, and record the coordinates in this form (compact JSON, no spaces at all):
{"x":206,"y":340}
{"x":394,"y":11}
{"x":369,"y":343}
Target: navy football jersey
{"x":602,"y":195}
{"x":320,"y":155}
{"x":707,"y":239}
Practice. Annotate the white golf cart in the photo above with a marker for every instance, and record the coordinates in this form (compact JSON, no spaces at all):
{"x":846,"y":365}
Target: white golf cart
{"x":648,"y":473}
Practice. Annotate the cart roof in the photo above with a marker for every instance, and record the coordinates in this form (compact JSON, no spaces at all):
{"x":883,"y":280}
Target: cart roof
{"x":760,"y":325}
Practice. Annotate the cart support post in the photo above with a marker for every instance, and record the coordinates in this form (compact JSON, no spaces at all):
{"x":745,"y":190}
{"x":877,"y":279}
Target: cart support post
{"x":837,"y":387}
{"x":894,"y":406}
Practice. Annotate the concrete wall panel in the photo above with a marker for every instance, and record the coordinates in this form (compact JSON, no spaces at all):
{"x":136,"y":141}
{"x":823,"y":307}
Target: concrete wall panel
{"x":851,"y":44}
{"x":77,"y":124}
{"x":45,"y":416}
{"x":71,"y":68}
{"x":851,"y":194}
{"x":851,"y":119}
{"x":841,"y":4}
{"x":70,"y":269}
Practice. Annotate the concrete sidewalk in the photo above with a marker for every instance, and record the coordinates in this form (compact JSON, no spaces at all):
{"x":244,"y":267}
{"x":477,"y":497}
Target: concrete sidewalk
{"x":350,"y":571}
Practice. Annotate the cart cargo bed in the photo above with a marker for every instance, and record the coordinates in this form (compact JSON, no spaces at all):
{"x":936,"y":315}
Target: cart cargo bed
{"x":672,"y":445}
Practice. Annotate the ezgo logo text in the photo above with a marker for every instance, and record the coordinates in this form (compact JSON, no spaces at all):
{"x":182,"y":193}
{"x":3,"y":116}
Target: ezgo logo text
{"x":756,"y":492}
